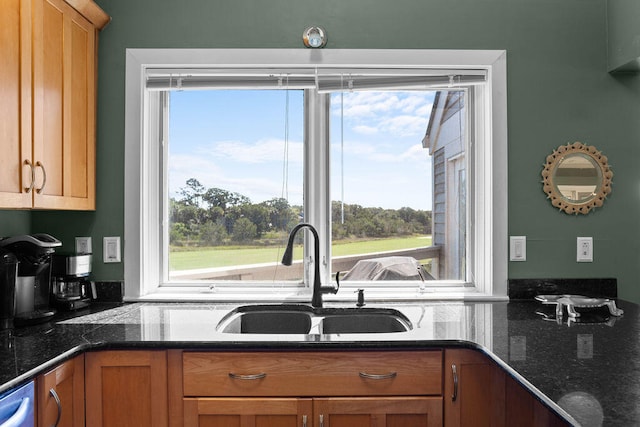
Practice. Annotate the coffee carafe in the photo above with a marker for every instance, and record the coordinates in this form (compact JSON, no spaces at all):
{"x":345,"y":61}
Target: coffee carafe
{"x":71,"y":288}
{"x":33,"y":282}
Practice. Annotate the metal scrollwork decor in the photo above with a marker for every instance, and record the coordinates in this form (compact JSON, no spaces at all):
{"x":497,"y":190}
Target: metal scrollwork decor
{"x":577,"y":178}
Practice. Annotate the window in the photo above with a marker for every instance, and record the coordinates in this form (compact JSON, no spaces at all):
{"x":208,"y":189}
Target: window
{"x":307,"y":156}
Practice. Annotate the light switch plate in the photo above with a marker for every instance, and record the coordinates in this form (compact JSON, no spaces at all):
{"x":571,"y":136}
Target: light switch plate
{"x":111,"y":249}
{"x":518,"y":248}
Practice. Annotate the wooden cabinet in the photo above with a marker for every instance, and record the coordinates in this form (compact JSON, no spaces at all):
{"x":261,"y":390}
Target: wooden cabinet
{"x":262,"y":412}
{"x":473,"y":390}
{"x":126,"y":388}
{"x":179,"y":388}
{"x":394,"y":388}
{"x":523,"y":409}
{"x":15,"y":101}
{"x":478,"y":392}
{"x":47,"y":120}
{"x":60,"y":395}
{"x":406,"y":411}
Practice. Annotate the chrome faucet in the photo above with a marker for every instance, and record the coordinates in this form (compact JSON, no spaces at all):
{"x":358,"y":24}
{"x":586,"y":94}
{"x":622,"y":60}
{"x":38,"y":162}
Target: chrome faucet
{"x":318,"y":289}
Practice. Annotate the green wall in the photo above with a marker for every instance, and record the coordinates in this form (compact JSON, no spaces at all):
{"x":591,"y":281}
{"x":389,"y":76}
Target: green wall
{"x":559,"y":91}
{"x":624,"y":34}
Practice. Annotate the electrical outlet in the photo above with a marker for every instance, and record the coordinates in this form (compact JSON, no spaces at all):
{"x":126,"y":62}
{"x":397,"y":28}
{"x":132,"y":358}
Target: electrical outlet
{"x":83,"y":245}
{"x":518,"y":248}
{"x":111,"y":249}
{"x":584,"y":249}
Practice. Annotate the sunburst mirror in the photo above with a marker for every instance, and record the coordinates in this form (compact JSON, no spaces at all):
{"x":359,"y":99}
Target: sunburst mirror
{"x":577,"y":178}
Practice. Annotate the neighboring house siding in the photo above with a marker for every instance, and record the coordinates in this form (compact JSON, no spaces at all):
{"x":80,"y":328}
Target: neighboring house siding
{"x":439,"y":204}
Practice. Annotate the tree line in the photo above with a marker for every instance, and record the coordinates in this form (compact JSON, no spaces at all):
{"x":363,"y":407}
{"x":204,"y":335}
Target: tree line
{"x":202,"y":216}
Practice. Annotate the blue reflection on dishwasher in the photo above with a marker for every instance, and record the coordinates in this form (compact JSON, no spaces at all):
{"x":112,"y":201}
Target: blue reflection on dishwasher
{"x":17,"y":407}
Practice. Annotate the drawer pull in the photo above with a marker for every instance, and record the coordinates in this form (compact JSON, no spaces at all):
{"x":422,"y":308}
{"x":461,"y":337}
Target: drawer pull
{"x":44,"y":177}
{"x":378,"y":376}
{"x":53,"y":394}
{"x":454,"y":371}
{"x":247,"y":377}
{"x":304,"y":421}
{"x":33,"y":176}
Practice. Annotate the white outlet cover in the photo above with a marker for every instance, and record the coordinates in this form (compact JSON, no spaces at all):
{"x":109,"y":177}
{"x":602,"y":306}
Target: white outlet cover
{"x":584,"y":249}
{"x":83,"y":245}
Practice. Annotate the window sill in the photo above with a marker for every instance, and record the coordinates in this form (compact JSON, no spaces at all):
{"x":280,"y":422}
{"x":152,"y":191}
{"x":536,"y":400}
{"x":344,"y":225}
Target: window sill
{"x":258,"y":295}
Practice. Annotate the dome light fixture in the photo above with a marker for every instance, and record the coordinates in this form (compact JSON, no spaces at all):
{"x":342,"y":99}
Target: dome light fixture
{"x":314,"y":37}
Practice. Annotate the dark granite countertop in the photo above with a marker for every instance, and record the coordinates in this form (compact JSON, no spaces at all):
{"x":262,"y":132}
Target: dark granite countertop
{"x":590,"y":369}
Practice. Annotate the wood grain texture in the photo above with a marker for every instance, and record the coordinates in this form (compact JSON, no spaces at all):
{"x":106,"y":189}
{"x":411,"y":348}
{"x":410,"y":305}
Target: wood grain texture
{"x":312,"y":373}
{"x":67,"y":380}
{"x":126,"y":388}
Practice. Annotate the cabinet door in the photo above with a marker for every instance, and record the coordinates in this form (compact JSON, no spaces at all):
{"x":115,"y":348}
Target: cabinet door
{"x":15,"y":103}
{"x":247,"y":412}
{"x":61,"y":395}
{"x":64,"y":55}
{"x":524,"y":410}
{"x":474,"y":390}
{"x":378,"y":412}
{"x":126,"y":388}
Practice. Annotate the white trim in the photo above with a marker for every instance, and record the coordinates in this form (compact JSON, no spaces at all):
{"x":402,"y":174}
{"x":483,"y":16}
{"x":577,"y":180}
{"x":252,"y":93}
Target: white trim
{"x":142,"y":270}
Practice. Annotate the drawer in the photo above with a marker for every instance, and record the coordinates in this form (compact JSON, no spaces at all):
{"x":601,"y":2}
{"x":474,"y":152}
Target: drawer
{"x":331,"y":373}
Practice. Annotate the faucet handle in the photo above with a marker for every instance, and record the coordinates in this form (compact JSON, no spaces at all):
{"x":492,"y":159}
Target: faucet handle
{"x":360,"y":293}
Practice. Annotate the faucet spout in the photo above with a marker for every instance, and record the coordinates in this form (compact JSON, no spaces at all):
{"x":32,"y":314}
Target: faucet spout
{"x":287,"y":259}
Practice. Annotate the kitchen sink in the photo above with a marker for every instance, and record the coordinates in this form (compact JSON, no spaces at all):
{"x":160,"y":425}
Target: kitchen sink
{"x":304,"y":319}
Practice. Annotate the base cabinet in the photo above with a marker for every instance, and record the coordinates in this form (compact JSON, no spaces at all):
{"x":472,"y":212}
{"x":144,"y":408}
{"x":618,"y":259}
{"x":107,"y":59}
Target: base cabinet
{"x":126,"y":388}
{"x":477,"y":392}
{"x":248,"y":412}
{"x":314,"y":412}
{"x":60,"y":395}
{"x":451,"y":387}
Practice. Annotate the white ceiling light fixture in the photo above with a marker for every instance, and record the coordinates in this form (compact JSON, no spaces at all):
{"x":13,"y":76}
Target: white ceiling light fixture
{"x":314,"y":37}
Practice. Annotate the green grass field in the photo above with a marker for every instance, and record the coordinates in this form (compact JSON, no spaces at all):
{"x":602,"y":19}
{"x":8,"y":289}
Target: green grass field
{"x":222,"y":256}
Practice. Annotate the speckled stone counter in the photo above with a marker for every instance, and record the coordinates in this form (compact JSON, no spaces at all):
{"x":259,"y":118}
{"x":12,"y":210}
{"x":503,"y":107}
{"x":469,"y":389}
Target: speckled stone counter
{"x":588,"y":369}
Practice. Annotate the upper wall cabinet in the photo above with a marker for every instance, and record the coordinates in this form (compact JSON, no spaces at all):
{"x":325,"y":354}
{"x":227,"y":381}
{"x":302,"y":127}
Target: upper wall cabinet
{"x":47,"y":103}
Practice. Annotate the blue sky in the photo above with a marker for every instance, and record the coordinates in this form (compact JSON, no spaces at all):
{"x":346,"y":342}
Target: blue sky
{"x":235,"y":140}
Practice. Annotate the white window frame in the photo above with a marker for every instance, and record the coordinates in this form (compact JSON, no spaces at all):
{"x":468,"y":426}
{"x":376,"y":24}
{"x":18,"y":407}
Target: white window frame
{"x":143,"y":162}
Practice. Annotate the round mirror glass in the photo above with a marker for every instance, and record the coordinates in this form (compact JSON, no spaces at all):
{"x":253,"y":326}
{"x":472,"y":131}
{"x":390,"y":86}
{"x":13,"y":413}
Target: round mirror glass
{"x":577,"y":177}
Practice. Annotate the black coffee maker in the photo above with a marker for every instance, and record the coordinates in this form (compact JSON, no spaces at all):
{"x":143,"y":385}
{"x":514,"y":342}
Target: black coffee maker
{"x":33,"y":282}
{"x":8,"y":275}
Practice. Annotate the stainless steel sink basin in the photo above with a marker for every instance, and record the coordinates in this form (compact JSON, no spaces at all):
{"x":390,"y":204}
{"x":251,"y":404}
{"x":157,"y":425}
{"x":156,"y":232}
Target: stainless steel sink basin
{"x":303,"y":319}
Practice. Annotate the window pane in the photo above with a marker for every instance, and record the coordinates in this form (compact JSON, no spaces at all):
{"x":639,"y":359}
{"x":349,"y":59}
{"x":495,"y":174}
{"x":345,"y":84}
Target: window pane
{"x":234,"y":182}
{"x":393,"y":189}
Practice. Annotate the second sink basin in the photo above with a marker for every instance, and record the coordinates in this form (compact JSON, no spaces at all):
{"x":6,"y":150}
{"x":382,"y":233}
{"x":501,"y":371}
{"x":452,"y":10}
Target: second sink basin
{"x":301,"y":319}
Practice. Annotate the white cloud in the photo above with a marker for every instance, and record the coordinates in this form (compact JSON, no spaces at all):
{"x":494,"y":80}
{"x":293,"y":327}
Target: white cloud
{"x":267,"y":150}
{"x":395,"y":113}
{"x":365,"y":130}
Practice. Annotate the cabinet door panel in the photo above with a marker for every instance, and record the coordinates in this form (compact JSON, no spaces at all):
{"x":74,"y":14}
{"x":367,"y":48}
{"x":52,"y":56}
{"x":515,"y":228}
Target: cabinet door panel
{"x":67,"y":382}
{"x":15,"y":103}
{"x":479,"y":393}
{"x":247,"y":412}
{"x":378,"y":412}
{"x":126,"y":388}
{"x":63,"y":107}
